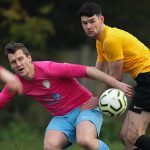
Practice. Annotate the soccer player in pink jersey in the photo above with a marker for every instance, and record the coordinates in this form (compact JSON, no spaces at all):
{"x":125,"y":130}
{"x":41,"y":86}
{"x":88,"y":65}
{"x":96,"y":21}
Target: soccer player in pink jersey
{"x":75,"y":112}
{"x":14,"y":85}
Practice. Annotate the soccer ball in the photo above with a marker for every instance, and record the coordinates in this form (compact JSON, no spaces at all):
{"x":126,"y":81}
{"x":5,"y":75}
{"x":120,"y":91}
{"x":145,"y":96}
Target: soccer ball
{"x":113,"y":102}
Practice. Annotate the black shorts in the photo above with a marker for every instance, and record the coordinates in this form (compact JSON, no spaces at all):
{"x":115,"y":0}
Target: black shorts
{"x":141,"y":98}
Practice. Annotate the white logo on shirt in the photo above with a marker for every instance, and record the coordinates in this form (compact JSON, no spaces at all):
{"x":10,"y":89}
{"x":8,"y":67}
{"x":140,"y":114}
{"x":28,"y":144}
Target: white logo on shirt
{"x":46,"y":84}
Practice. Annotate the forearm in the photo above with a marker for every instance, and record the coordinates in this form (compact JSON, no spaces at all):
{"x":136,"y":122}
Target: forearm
{"x":109,"y":80}
{"x":6,"y":75}
{"x":92,"y":72}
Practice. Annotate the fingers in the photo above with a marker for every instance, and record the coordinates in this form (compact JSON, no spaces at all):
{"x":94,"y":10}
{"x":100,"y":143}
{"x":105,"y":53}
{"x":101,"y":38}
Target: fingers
{"x":85,"y":106}
{"x":129,"y":91}
{"x":90,"y":104}
{"x":128,"y":94}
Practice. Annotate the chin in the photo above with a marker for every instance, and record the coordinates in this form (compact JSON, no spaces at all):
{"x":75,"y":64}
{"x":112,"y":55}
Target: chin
{"x":91,"y":36}
{"x":21,"y":74}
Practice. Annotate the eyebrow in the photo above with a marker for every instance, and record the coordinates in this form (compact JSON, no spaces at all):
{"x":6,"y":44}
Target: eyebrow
{"x":92,"y":19}
{"x":17,"y":59}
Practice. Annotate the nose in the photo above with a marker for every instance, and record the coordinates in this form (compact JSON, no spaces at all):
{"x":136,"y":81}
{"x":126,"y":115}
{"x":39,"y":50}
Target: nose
{"x":88,"y":26}
{"x":18,"y":63}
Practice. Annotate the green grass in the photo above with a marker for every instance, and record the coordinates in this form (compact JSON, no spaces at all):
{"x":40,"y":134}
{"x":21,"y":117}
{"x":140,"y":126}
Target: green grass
{"x":112,"y":145}
{"x":37,"y":144}
{"x":33,"y":141}
{"x":23,"y":136}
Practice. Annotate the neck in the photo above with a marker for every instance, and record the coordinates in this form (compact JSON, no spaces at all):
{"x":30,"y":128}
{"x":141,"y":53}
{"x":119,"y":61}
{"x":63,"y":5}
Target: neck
{"x":101,"y":34}
{"x":30,"y":75}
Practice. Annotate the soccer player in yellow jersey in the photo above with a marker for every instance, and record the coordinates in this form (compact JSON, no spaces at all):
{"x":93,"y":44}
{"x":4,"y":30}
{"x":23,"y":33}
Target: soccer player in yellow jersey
{"x":123,"y":53}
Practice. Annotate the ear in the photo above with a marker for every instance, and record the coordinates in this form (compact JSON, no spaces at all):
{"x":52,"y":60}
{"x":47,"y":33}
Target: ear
{"x":101,"y":18}
{"x":30,"y":58}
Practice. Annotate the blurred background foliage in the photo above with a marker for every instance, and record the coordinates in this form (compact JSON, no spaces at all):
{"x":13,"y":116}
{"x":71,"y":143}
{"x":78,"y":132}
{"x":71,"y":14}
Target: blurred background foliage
{"x":51,"y":29}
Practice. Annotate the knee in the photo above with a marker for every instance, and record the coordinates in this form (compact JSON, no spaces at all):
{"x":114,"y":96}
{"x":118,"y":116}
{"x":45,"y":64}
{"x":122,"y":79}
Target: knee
{"x":50,"y":145}
{"x":84,"y":142}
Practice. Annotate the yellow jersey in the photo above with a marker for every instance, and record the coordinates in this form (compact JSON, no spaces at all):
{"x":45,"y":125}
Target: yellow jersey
{"x":116,"y":44}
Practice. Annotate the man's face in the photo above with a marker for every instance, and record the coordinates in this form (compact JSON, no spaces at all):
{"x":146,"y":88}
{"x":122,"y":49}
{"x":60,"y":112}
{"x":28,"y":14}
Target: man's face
{"x":20,"y":63}
{"x":92,"y":25}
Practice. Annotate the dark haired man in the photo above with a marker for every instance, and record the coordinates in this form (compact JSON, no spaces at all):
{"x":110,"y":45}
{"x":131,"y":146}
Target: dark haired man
{"x":123,"y":53}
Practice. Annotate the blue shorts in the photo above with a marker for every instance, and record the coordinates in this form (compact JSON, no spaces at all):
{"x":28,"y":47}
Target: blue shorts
{"x":67,"y":123}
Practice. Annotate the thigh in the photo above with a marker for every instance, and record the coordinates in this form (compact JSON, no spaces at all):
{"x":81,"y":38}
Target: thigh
{"x":89,"y":123}
{"x":65,"y":130}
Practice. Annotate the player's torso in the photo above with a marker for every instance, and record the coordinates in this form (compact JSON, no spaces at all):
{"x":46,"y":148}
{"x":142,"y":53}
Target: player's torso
{"x":58,"y":95}
{"x":118,"y":44}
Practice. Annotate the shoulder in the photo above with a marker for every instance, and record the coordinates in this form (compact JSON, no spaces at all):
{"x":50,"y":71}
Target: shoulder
{"x":116,"y":33}
{"x":43,"y":64}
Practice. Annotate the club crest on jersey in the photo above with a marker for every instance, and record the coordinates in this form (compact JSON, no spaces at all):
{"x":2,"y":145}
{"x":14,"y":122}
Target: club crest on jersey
{"x":46,"y":84}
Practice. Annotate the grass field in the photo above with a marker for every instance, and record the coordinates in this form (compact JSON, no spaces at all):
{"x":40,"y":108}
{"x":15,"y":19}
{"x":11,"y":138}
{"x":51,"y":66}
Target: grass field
{"x":37,"y":144}
{"x":23,"y":136}
{"x":34,"y":141}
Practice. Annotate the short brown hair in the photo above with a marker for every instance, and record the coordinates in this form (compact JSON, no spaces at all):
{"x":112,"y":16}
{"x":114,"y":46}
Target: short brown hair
{"x":12,"y":47}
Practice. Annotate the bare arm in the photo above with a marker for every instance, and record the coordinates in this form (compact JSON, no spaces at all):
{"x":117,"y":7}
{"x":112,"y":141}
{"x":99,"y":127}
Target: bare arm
{"x":116,"y":68}
{"x":101,"y":76}
{"x":103,"y":66}
{"x":13,"y":83}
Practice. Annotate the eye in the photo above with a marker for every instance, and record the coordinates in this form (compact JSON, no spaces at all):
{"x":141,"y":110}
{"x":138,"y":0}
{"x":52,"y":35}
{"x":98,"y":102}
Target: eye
{"x":83,"y":22}
{"x":92,"y":21}
{"x":13,"y":62}
{"x":20,"y":58}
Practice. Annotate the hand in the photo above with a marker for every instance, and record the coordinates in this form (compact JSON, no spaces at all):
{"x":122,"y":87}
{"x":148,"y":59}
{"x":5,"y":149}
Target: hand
{"x":90,"y":104}
{"x":127,"y":89}
{"x":14,"y":84}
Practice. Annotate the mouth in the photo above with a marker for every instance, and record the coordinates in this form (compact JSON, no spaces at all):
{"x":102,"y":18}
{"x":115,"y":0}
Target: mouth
{"x":20,"y":70}
{"x":90,"y":32}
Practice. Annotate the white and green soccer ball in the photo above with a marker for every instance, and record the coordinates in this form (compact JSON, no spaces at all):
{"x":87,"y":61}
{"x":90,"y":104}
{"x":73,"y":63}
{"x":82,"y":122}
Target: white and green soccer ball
{"x":113,"y":102}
